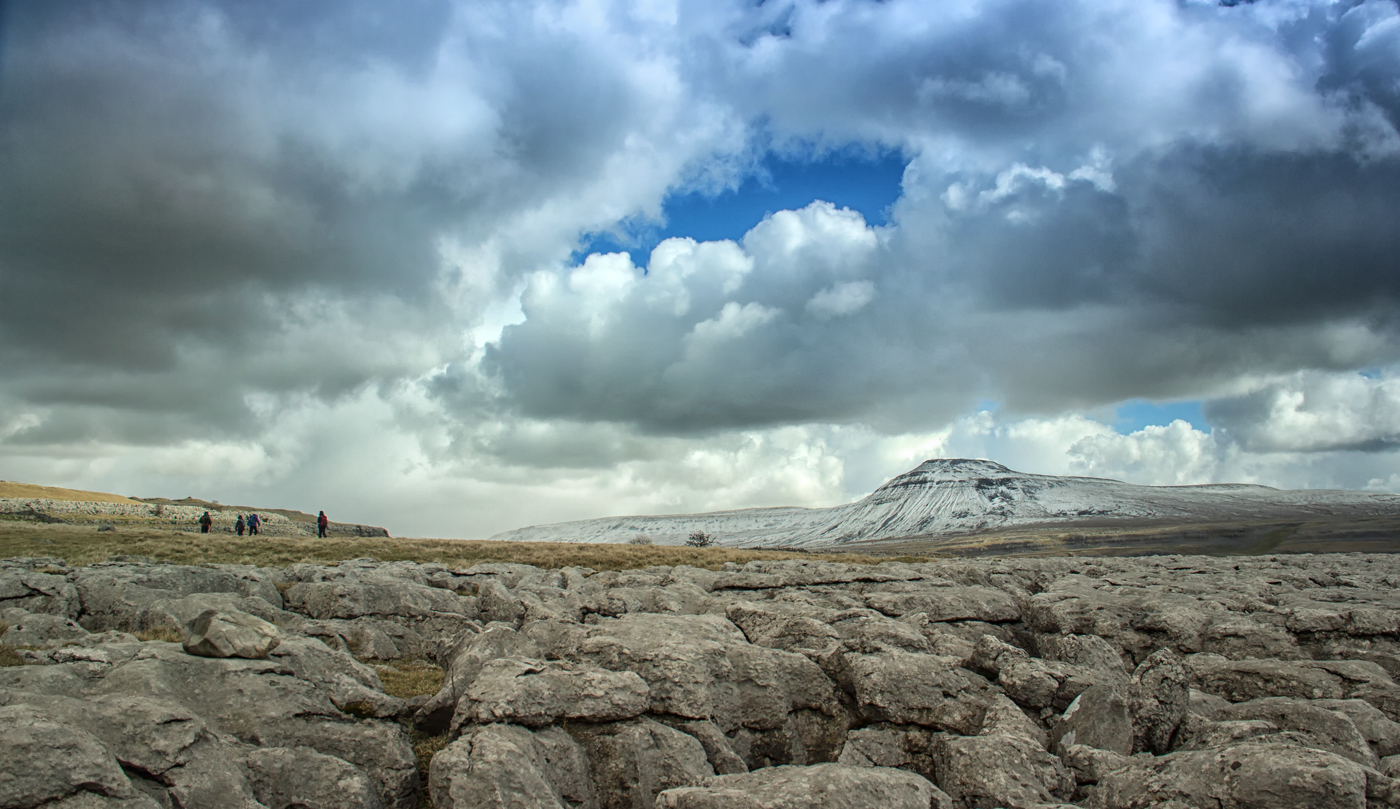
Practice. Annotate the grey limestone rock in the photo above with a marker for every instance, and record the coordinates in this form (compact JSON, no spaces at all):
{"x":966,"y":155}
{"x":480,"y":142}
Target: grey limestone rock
{"x":780,"y":625}
{"x":719,"y":749}
{"x":1240,"y":682}
{"x":702,"y":667}
{"x":1086,"y":651}
{"x":830,"y":786}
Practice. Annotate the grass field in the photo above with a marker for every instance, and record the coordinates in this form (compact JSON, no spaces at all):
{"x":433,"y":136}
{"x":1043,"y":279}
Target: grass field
{"x":84,"y":545}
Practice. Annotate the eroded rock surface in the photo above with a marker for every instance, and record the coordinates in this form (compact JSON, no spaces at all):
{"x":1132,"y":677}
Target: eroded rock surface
{"x":956,"y":684}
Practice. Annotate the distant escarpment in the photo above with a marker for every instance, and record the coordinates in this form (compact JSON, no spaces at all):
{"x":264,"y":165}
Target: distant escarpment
{"x":948,"y":497}
{"x":178,"y":514}
{"x":1167,"y":682}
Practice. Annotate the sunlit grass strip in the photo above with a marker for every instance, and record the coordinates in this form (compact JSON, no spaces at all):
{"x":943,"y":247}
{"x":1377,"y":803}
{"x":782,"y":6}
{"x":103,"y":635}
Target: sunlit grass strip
{"x":84,"y":545}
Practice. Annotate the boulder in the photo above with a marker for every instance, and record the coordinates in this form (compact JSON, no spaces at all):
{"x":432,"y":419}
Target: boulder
{"x":170,"y":751}
{"x":535,"y":693}
{"x":1097,"y":718}
{"x":35,"y":591}
{"x":1247,"y":775}
{"x":301,"y":778}
{"x":1159,"y":693}
{"x":39,"y":629}
{"x":113,"y":596}
{"x":507,"y":766}
{"x":374,"y":596}
{"x":633,"y":761}
{"x":915,"y":689}
{"x":216,"y":633}
{"x":1241,"y":680}
{"x":1381,"y":732}
{"x":702,"y":667}
{"x":1308,"y":724}
{"x":950,"y":604}
{"x":48,"y":761}
{"x":1002,"y":771}
{"x":782,"y":626}
{"x":462,"y":665}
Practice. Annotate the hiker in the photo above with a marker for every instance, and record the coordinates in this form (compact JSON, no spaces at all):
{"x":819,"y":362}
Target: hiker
{"x":205,"y":522}
{"x":253,"y":522}
{"x":321,"y":524}
{"x":238,"y":526}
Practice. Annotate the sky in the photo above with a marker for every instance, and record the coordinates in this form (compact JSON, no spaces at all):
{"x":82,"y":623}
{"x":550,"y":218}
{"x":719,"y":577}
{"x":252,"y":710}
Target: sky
{"x":455,"y":268}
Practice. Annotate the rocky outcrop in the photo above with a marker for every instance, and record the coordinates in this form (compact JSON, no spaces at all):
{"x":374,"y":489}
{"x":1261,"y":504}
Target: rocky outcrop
{"x":1036,"y":683}
{"x":172,"y":515}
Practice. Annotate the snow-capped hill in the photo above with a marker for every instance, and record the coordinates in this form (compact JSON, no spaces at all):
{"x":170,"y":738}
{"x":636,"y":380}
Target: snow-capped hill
{"x":956,"y":496}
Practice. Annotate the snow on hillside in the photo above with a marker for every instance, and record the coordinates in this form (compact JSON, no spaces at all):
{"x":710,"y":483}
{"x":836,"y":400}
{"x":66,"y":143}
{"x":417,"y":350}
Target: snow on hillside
{"x":953,"y":496}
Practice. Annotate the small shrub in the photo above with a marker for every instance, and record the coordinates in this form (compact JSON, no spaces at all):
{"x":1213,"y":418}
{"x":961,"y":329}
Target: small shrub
{"x":9,"y":656}
{"x":640,"y":539}
{"x":360,"y":709}
{"x":168,"y":634}
{"x":700,"y":539}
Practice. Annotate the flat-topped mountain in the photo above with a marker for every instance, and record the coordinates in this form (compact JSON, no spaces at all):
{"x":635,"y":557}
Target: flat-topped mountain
{"x":947,"y":497}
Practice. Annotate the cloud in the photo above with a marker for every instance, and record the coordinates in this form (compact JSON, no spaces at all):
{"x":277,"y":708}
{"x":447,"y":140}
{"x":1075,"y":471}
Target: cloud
{"x":228,"y":223}
{"x":1313,"y":412}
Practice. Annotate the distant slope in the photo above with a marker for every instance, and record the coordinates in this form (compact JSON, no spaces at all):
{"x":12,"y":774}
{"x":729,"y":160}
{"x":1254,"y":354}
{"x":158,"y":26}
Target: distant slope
{"x":32,"y":491}
{"x":947,"y":497}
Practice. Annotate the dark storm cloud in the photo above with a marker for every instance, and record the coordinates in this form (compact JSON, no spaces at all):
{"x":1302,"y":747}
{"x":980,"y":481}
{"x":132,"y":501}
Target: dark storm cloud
{"x":151,"y":213}
{"x":204,"y":200}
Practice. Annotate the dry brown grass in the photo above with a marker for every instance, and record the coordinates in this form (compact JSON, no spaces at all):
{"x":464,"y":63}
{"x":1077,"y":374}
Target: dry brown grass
{"x":84,"y":545}
{"x":28,"y":490}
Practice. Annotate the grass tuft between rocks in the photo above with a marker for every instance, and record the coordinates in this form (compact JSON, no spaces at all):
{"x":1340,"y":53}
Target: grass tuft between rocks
{"x":424,"y":748}
{"x":166,"y":633}
{"x":409,"y":678}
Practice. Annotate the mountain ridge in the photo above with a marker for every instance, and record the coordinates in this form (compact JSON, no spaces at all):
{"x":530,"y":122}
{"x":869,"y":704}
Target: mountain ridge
{"x":955,"y":496}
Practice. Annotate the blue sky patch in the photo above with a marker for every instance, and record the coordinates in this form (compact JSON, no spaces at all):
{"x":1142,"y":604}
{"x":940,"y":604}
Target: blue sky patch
{"x":1133,"y":415}
{"x":866,"y":183}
